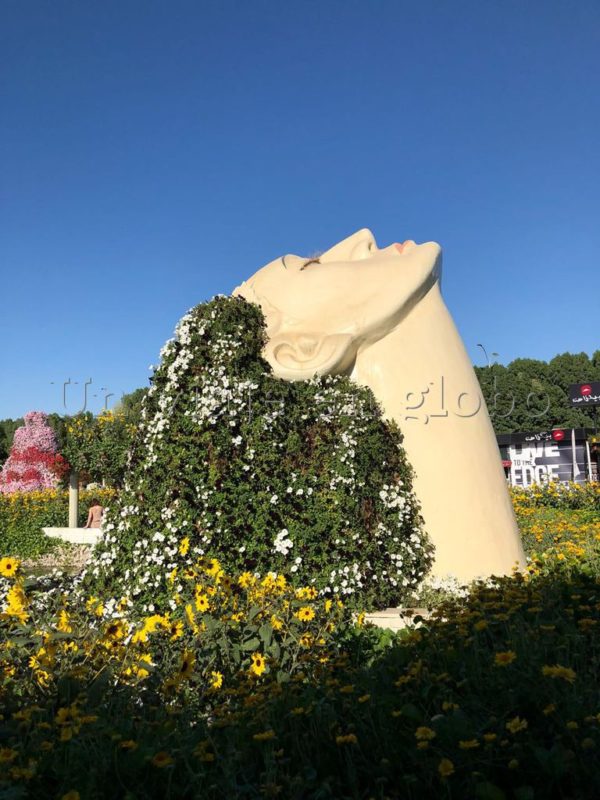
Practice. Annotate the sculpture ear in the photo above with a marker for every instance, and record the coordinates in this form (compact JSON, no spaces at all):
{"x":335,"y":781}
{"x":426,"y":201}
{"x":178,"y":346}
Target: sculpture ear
{"x":299,"y":356}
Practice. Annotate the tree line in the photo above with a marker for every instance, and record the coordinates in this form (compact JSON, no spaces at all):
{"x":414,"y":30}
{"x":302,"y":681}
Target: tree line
{"x":532,"y":395}
{"x":96,"y":446}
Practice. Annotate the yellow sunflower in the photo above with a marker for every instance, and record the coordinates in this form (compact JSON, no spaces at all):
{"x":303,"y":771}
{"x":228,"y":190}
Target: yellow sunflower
{"x":305,"y":614}
{"x":186,"y":665}
{"x":258,"y":664}
{"x":184,"y":545}
{"x":216,"y":680}
{"x":202,"y":603}
{"x":176,"y":630}
{"x":162,"y":759}
{"x":9,"y":567}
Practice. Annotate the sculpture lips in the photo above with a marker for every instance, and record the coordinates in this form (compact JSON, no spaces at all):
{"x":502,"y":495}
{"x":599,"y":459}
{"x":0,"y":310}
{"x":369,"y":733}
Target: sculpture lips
{"x":402,"y":247}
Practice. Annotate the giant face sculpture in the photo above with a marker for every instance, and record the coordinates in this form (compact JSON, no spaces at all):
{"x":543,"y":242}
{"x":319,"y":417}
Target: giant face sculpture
{"x":378,"y":315}
{"x":321,"y":311}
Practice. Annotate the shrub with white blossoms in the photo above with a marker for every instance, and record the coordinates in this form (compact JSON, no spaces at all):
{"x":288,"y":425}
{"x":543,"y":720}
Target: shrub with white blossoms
{"x":304,"y":479}
{"x":282,"y":543}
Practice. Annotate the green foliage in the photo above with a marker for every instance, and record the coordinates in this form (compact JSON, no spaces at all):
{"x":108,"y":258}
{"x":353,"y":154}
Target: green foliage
{"x":59,"y":424}
{"x":97,"y":447}
{"x":24,"y":514}
{"x":7,"y":431}
{"x":528,"y":394}
{"x":301,"y":478}
{"x":131,"y":405}
{"x":4,"y":448}
{"x":80,"y":442}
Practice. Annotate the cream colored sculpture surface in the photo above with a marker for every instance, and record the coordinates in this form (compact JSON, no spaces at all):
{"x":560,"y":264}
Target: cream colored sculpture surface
{"x":378,"y":316}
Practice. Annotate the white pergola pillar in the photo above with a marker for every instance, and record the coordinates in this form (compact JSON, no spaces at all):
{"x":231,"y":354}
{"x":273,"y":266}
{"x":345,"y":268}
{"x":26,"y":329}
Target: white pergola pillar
{"x":73,"y":499}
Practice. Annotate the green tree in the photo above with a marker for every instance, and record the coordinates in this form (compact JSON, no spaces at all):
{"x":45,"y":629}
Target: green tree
{"x":529,"y":394}
{"x":114,"y":433}
{"x":97,"y":446}
{"x":59,"y":423}
{"x":4,"y":448}
{"x":131,"y":405}
{"x":9,"y":426}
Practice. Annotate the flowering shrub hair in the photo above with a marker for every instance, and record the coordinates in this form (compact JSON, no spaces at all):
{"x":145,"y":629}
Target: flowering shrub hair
{"x":305,"y":479}
{"x":33,"y":463}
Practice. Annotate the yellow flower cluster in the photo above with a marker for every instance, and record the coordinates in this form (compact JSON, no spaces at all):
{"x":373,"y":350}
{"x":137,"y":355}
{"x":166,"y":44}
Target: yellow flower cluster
{"x":558,"y":671}
{"x":100,"y":630}
{"x":16,"y":604}
{"x":557,"y":495}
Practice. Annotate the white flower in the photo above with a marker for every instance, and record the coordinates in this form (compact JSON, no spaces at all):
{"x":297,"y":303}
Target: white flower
{"x":282,"y":544}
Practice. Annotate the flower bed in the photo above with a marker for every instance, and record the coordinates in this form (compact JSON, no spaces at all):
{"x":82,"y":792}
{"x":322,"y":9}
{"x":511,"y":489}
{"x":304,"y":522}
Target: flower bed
{"x":585,"y":496}
{"x":567,"y":536}
{"x":250,"y":688}
{"x":85,"y":676}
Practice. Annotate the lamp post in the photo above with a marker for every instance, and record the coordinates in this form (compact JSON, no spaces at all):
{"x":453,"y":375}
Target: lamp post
{"x":487,"y":358}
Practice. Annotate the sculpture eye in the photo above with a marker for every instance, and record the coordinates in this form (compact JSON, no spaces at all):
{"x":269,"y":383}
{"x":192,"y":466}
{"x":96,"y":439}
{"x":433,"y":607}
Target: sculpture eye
{"x":310,"y":261}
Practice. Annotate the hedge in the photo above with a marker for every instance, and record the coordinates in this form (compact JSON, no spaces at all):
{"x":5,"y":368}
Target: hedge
{"x":24,"y":514}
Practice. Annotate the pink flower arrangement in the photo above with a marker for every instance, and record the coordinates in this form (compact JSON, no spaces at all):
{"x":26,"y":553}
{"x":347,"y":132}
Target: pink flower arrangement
{"x":33,"y":463}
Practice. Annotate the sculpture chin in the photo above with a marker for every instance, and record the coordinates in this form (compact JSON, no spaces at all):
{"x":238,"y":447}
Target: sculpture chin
{"x":417,"y":277}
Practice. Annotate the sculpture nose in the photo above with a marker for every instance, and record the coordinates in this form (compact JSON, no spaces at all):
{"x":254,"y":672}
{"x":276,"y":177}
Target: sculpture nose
{"x":355,"y":247}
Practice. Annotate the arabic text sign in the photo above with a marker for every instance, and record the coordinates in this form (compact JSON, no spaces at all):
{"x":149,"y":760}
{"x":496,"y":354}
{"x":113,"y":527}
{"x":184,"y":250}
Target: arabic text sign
{"x":585,"y":394}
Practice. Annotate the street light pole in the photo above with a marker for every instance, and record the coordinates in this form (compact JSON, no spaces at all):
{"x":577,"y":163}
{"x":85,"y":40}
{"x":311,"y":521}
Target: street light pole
{"x":487,"y":358}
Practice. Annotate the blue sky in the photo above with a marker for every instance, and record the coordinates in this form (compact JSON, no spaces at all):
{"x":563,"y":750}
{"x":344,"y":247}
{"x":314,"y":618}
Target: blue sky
{"x":156,"y":153}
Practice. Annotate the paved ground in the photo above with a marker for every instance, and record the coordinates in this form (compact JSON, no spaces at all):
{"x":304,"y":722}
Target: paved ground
{"x":66,"y":557}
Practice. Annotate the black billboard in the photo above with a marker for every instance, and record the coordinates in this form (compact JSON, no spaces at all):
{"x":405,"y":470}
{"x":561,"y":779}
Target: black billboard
{"x":585,"y":394}
{"x":543,"y":456}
